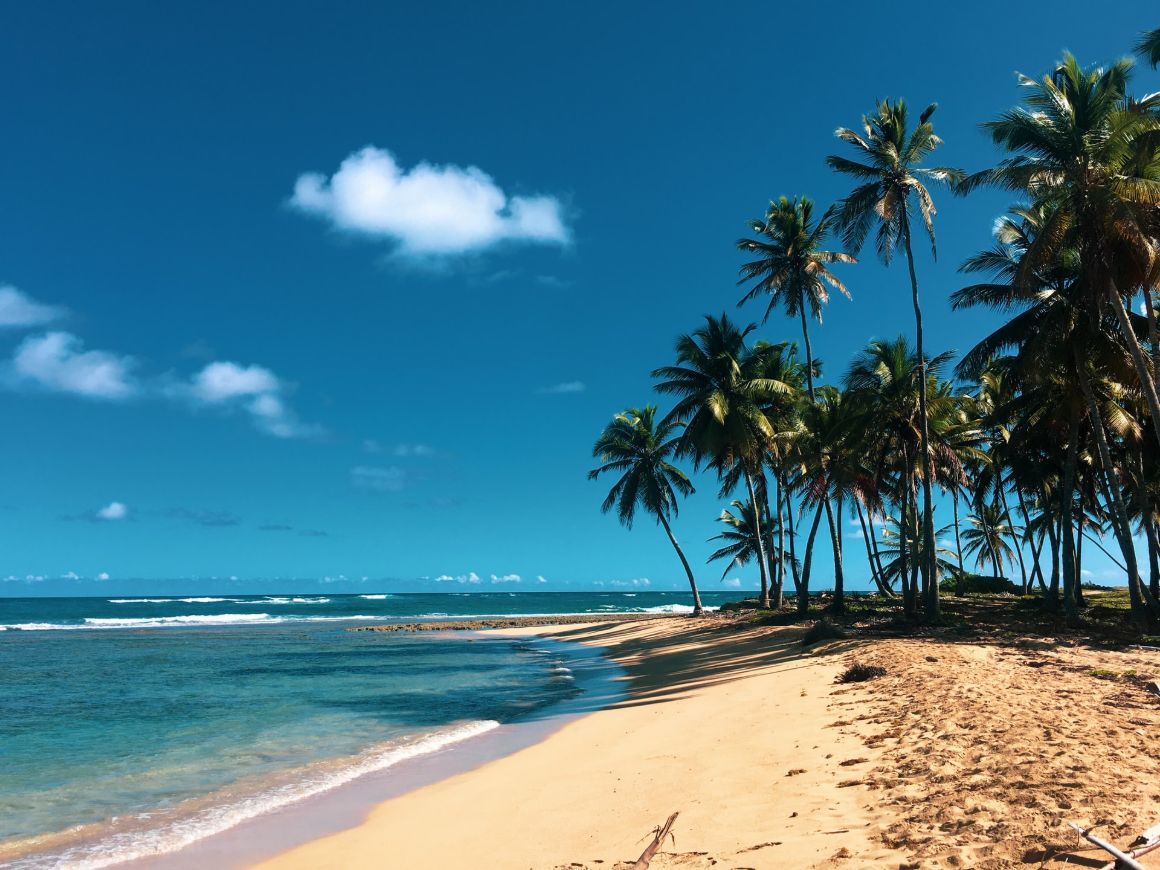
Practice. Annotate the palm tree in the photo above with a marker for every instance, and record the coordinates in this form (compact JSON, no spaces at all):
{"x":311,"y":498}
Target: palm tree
{"x":890,"y":180}
{"x":740,"y":540}
{"x":1087,"y":155}
{"x":986,"y":537}
{"x":637,"y":447}
{"x":722,"y":390}
{"x":791,"y":269}
{"x":1149,"y":47}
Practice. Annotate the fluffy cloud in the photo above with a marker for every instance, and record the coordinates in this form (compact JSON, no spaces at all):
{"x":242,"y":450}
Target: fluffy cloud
{"x":254,"y":389}
{"x":563,"y":389}
{"x":506,"y":578}
{"x":427,"y":210}
{"x":57,"y":362}
{"x":114,"y":510}
{"x":469,"y":577}
{"x":380,"y":479}
{"x":104,"y":575}
{"x":18,"y":309}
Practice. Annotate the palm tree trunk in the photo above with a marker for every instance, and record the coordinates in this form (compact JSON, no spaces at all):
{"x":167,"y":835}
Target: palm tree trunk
{"x":793,"y":564}
{"x":930,"y":581}
{"x":804,"y":590}
{"x":1147,"y":383}
{"x":779,"y":591}
{"x":875,"y":572}
{"x":909,"y":606}
{"x":1142,"y":607}
{"x":1036,"y":549}
{"x":698,"y":610}
{"x":1066,"y":532}
{"x":1014,"y":537}
{"x":960,"y":586}
{"x":839,"y":604}
{"x":1053,"y":590}
{"x":762,"y":559}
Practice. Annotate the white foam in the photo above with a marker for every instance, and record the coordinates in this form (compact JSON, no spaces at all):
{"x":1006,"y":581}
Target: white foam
{"x":674,"y":608}
{"x":374,"y":597}
{"x":200,"y":600}
{"x":94,"y":623}
{"x":135,"y":845}
{"x":285,"y":599}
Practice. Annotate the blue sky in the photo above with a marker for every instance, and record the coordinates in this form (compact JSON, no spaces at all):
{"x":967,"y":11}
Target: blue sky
{"x":308,"y":291}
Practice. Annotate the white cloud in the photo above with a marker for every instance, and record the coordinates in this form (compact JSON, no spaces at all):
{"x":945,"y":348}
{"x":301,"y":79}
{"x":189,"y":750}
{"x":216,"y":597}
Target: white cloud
{"x":636,"y":582}
{"x":428,"y":210}
{"x":18,"y":309}
{"x":563,"y":389}
{"x":388,"y":479}
{"x":104,"y":575}
{"x":255,"y":389}
{"x":57,"y":362}
{"x":114,"y":510}
{"x":469,"y":577}
{"x":732,"y":583}
{"x":540,"y":578}
{"x":506,"y":578}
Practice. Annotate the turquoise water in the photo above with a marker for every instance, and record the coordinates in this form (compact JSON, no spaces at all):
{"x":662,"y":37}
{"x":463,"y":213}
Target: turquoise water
{"x":132,"y":727}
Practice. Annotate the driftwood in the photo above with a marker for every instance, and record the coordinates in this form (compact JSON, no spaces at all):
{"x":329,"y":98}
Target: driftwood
{"x":1149,"y":841}
{"x":660,"y":834}
{"x":1124,"y":861}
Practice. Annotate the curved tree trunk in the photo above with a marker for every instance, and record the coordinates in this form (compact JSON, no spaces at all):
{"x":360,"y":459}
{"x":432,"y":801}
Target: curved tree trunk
{"x":793,"y":563}
{"x":871,"y":556}
{"x":697,"y":608}
{"x":960,"y":586}
{"x":1143,"y":605}
{"x":1147,"y":382}
{"x":1066,"y":531}
{"x":762,"y":558}
{"x":1014,"y":537}
{"x":929,"y":573}
{"x":839,"y":603}
{"x":803,"y":603}
{"x":779,"y":587}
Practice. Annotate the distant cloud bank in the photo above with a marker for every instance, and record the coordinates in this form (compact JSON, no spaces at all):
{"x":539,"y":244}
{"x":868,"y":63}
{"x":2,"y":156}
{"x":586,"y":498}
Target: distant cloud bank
{"x":563,"y":389}
{"x":428,"y":210}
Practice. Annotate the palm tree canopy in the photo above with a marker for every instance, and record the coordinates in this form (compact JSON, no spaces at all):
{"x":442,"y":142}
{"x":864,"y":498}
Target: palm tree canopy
{"x":790,"y":267}
{"x":1149,"y":47}
{"x":740,"y":536}
{"x":638,"y":447}
{"x":723,"y":389}
{"x":888,"y":167}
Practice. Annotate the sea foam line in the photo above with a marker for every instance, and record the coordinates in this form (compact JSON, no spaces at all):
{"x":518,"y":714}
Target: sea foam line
{"x":179,"y":833}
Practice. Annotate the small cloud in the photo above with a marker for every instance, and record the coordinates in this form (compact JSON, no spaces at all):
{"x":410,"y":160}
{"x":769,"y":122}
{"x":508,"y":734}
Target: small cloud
{"x":379,"y":479}
{"x":428,"y":210}
{"x":636,"y":582}
{"x":854,"y":536}
{"x":540,"y":578}
{"x":506,"y":578}
{"x":562,"y":389}
{"x":208,"y":519}
{"x":470,"y":577}
{"x":70,"y":575}
{"x":104,"y":575}
{"x":57,"y":362}
{"x":254,"y":389}
{"x":114,"y":510}
{"x":732,"y":583}
{"x":17,"y":309}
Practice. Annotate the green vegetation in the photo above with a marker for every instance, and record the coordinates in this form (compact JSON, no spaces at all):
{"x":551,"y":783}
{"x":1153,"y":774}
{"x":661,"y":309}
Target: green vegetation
{"x":1047,"y":432}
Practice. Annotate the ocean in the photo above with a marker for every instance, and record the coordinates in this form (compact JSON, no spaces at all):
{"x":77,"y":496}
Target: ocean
{"x":134,"y":727}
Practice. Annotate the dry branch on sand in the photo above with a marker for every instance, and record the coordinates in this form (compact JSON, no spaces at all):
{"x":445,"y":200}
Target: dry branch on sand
{"x":660,"y":834}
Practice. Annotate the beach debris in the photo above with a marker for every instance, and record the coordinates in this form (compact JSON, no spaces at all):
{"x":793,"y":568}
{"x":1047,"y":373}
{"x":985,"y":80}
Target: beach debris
{"x":660,"y":834}
{"x":1146,"y":842}
{"x":823,"y":629}
{"x":860,"y":673}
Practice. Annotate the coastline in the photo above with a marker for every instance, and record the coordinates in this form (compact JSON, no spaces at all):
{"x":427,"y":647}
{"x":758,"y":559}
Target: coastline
{"x":722,"y":723}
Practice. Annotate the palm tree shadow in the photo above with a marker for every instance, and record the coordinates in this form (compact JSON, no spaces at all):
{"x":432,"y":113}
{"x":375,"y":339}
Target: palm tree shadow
{"x":666,"y":665}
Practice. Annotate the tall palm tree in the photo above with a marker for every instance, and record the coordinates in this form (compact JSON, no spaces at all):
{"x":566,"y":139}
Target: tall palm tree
{"x":722,"y":392}
{"x":740,"y":540}
{"x":891,"y":184}
{"x":637,"y":447}
{"x":1087,"y":154}
{"x":791,"y":268}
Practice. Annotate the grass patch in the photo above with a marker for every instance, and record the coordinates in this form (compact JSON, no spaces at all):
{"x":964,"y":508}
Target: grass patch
{"x":860,"y":673}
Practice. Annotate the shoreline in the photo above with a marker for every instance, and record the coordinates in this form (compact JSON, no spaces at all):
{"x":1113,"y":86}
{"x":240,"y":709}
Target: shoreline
{"x":592,"y":789}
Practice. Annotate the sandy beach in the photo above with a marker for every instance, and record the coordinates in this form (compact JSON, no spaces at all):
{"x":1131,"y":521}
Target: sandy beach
{"x":962,"y":755}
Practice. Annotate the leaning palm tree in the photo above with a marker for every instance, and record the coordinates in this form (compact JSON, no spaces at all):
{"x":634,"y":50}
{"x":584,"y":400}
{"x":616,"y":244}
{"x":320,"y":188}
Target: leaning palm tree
{"x":722,"y":393}
{"x":1149,"y":47}
{"x":891,"y":183}
{"x":637,"y":447}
